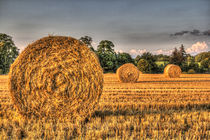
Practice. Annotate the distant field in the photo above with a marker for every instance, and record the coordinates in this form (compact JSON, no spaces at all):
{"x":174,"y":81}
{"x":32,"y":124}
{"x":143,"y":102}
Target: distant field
{"x":161,"y":63}
{"x":155,"y":108}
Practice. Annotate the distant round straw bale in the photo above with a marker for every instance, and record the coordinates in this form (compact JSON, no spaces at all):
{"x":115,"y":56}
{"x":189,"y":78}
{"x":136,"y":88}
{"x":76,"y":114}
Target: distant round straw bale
{"x":172,"y":71}
{"x":55,"y":77}
{"x":128,"y":73}
{"x":166,"y":68}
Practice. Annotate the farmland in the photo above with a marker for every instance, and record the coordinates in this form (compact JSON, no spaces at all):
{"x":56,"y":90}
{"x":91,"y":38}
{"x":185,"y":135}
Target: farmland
{"x":155,"y":107}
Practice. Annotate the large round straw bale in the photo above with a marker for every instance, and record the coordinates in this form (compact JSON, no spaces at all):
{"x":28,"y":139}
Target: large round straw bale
{"x":128,"y":73}
{"x":172,"y":71}
{"x":55,"y":77}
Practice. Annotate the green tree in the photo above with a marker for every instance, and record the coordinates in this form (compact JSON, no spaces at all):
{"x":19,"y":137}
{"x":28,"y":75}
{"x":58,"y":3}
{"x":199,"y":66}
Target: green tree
{"x":183,"y":54}
{"x":182,"y":60}
{"x":190,"y":59}
{"x":151,"y":60}
{"x":201,"y":56}
{"x":185,"y":67}
{"x":123,"y":58}
{"x":8,"y":52}
{"x":144,"y":66}
{"x":107,"y":56}
{"x":136,"y":60}
{"x":161,"y":68}
{"x":105,"y":45}
{"x":193,"y":65}
{"x":88,"y":41}
{"x":205,"y":64}
{"x":176,"y":57}
{"x":161,"y":57}
{"x":202,"y":60}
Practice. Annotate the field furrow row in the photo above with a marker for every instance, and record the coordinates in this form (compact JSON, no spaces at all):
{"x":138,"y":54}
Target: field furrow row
{"x":157,"y":90}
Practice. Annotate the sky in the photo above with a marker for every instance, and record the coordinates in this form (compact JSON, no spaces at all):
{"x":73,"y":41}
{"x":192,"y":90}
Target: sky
{"x":134,"y":26}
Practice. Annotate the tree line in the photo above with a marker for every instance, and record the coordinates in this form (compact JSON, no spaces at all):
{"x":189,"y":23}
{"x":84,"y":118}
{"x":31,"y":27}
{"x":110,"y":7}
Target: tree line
{"x":111,"y":60}
{"x":147,"y":62}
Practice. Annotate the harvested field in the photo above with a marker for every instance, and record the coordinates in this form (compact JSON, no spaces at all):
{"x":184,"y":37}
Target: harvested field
{"x":155,"y":107}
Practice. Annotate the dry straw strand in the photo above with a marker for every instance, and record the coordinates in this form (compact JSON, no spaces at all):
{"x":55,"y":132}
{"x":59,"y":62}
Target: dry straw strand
{"x":172,"y":71}
{"x":56,"y":76}
{"x":128,"y":73}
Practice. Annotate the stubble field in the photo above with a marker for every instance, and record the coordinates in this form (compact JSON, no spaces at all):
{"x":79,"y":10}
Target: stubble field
{"x":153,"y":108}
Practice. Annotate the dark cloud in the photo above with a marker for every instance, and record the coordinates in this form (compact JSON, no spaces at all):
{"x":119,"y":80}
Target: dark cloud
{"x":180,"y":33}
{"x":207,"y":33}
{"x":194,"y":32}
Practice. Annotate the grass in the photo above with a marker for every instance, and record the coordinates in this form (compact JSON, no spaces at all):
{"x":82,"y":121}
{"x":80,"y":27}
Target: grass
{"x":161,"y":63}
{"x":153,"y":108}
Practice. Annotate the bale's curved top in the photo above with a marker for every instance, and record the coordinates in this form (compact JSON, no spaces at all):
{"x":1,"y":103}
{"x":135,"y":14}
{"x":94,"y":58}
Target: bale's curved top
{"x":128,"y":73}
{"x":172,"y":71}
{"x":166,"y":68}
{"x":56,"y":76}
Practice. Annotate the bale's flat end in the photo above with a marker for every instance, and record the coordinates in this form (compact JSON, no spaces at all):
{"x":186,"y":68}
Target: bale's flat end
{"x":55,"y":77}
{"x":172,"y":71}
{"x":128,"y":73}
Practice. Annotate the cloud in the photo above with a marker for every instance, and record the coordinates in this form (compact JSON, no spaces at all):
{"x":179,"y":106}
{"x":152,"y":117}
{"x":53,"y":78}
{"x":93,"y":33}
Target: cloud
{"x":194,"y":32}
{"x":135,"y":52}
{"x":165,"y":52}
{"x":119,"y":51}
{"x":198,"y":47}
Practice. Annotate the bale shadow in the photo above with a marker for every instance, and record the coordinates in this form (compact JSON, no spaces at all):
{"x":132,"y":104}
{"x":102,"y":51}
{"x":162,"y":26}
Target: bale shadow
{"x":121,"y":112}
{"x":174,"y":81}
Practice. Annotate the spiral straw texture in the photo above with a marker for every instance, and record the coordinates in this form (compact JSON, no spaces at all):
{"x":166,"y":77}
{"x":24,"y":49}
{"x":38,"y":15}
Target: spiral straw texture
{"x":128,"y":73}
{"x":55,"y":77}
{"x":172,"y":71}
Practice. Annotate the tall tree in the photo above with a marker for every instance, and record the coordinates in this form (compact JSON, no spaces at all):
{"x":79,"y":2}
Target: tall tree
{"x":8,"y":52}
{"x":123,"y":58}
{"x":107,"y":56}
{"x":144,"y":66}
{"x":179,"y":57}
{"x":88,"y":41}
{"x":201,"y":56}
{"x":205,"y":64}
{"x":105,"y":45}
{"x":183,"y":54}
{"x":151,"y":60}
{"x":136,"y":60}
{"x":175,"y":57}
{"x":192,"y":64}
